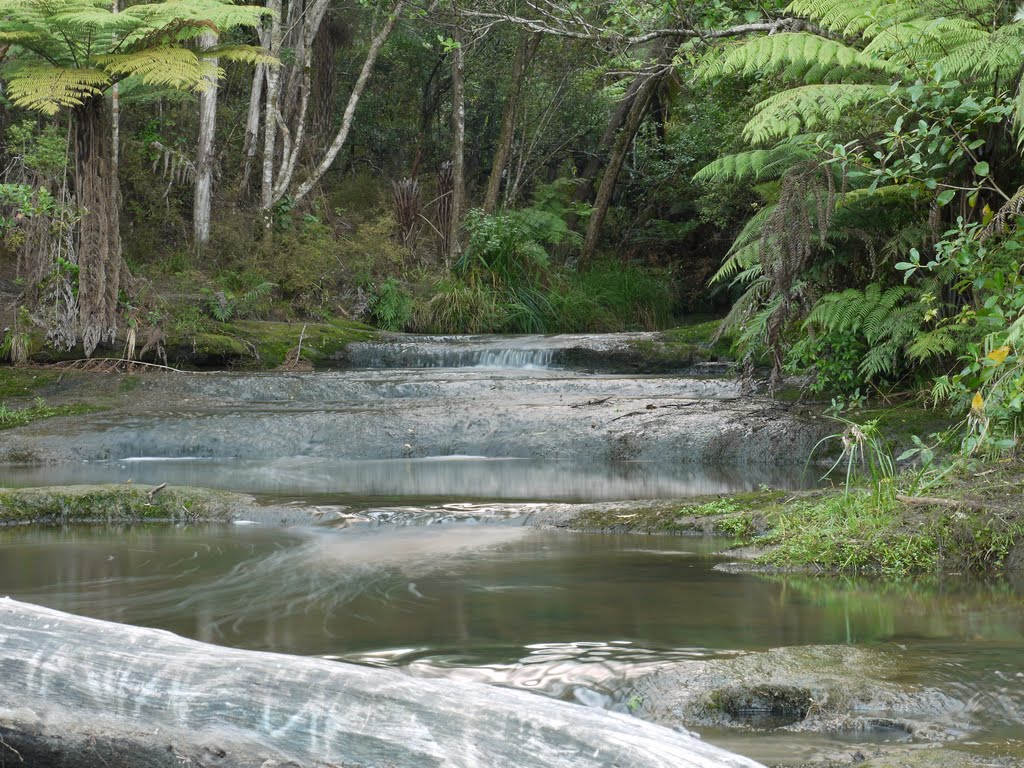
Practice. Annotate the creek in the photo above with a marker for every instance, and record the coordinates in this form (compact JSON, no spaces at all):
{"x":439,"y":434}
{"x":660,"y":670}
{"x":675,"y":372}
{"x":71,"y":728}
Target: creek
{"x":420,"y":466}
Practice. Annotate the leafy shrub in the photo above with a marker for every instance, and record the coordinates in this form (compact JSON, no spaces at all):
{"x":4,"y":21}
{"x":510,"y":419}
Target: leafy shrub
{"x":225,"y":304}
{"x":458,"y":307}
{"x":392,"y":306}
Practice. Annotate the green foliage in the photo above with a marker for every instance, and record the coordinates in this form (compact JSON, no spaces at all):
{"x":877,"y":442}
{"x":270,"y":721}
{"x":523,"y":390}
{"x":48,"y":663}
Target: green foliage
{"x":392,"y":306}
{"x":877,"y":336}
{"x":850,"y":532}
{"x":70,"y":52}
{"x":248,"y":299}
{"x":19,"y":417}
{"x":865,"y":455}
{"x":41,"y":151}
{"x":510,"y":247}
{"x":17,"y":340}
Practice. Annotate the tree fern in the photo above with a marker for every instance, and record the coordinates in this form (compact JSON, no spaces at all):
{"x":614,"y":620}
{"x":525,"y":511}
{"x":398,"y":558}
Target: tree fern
{"x":48,"y":89}
{"x":808,"y":107}
{"x":794,"y":54}
{"x":68,"y":51}
{"x":857,"y":17}
{"x":993,"y":55}
{"x":755,"y":165}
{"x":744,"y":251}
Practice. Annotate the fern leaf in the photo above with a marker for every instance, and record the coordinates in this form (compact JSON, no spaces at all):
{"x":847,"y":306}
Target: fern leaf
{"x":245,"y":54}
{"x":940,"y":342}
{"x":923,"y":39}
{"x":794,"y":54}
{"x":756,"y":165}
{"x":856,"y":17}
{"x":48,"y":89}
{"x":165,"y":65}
{"x":990,"y":55}
{"x":808,"y":107}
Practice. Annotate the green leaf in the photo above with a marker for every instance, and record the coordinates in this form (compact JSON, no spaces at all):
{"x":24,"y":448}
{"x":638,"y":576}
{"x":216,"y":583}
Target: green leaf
{"x":945,"y":196}
{"x":981,"y":169}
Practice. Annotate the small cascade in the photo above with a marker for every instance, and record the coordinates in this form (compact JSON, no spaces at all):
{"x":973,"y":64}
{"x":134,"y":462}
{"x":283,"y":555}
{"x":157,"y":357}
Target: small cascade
{"x":431,"y":353}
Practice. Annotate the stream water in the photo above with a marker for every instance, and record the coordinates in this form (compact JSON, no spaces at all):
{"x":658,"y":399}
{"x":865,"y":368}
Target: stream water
{"x":443,"y":578}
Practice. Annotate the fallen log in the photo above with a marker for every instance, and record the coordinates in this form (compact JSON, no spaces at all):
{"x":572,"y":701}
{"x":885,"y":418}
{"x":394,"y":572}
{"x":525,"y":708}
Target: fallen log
{"x":83,"y":693}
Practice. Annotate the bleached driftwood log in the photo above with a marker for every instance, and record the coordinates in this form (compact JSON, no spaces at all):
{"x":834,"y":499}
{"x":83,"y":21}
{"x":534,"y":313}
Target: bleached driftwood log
{"x":79,"y":693}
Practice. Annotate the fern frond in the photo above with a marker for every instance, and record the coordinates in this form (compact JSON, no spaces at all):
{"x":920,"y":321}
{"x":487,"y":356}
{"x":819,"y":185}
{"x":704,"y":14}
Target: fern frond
{"x":990,"y":55}
{"x":940,"y":342}
{"x":49,"y":89}
{"x":880,"y":319}
{"x":808,"y":107}
{"x":755,"y":165}
{"x":923,"y":39}
{"x":245,"y":54}
{"x":793,"y":54}
{"x":856,"y":17}
{"x":165,"y":65}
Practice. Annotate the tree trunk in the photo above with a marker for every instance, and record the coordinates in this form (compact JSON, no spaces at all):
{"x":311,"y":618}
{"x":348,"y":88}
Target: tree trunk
{"x":115,"y":111}
{"x":524,"y":55}
{"x":99,"y":249}
{"x":615,"y":161}
{"x":458,"y":147}
{"x":94,"y":694}
{"x":353,"y":101}
{"x":202,"y":200}
{"x":252,"y":122}
{"x":270,"y":120}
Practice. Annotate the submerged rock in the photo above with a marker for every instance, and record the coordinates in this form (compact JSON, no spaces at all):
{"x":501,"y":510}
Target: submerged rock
{"x":827,"y":689}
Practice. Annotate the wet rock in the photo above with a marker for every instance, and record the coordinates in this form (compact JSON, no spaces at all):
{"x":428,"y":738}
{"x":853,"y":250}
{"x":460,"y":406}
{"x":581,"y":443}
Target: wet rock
{"x":828,"y":689}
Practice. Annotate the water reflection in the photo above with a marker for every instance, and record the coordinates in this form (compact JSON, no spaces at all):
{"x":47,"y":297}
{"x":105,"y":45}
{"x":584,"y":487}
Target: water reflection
{"x":568,"y":615}
{"x":445,"y":477}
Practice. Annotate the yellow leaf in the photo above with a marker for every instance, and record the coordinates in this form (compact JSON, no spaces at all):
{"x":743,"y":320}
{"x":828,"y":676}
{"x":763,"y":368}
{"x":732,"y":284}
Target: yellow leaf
{"x":978,"y":403}
{"x":999,"y":355}
{"x":986,"y":215}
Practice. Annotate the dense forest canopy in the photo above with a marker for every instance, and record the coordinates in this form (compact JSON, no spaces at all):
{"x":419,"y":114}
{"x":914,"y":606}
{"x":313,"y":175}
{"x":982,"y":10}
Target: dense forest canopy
{"x":841,"y":179}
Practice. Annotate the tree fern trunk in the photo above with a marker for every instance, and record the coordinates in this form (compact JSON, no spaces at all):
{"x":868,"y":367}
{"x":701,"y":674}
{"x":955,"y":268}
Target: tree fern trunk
{"x":99,"y":249}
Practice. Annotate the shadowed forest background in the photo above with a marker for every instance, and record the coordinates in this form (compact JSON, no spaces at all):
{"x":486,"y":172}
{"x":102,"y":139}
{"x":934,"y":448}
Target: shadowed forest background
{"x":839,"y":180}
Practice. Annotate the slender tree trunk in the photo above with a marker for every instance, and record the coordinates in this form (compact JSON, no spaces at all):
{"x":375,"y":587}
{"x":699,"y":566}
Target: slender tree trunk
{"x":270,"y":120}
{"x":115,"y":111}
{"x":615,"y":161}
{"x":252,"y":122}
{"x":353,"y":101}
{"x":524,"y":55}
{"x":585,"y":187}
{"x":99,"y":248}
{"x":458,"y":145}
{"x":202,"y":199}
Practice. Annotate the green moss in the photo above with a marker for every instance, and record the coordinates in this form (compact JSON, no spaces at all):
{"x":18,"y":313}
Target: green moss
{"x":19,"y":417}
{"x":737,"y":515}
{"x":899,"y":422}
{"x":685,"y":345}
{"x":264,"y":344}
{"x":129,"y":383}
{"x":321,"y":342}
{"x":20,"y":382}
{"x":112,"y":504}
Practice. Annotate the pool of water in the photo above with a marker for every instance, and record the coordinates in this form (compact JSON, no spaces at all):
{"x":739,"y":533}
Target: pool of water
{"x":574,"y":616}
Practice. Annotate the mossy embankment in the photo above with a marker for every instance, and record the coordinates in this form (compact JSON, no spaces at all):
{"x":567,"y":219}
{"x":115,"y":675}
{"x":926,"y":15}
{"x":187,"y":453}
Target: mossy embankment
{"x":690,"y":344}
{"x":245,"y":344}
{"x":974,"y":523}
{"x":117,"y":504}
